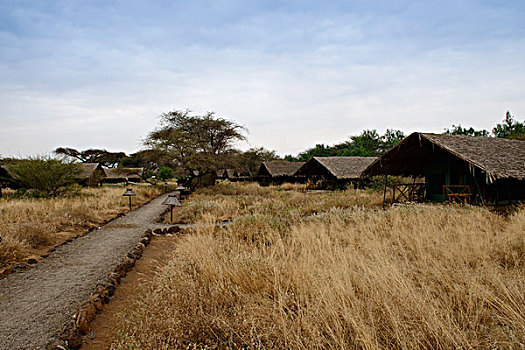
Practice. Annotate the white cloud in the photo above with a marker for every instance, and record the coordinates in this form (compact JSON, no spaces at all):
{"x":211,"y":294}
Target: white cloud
{"x":293,"y":80}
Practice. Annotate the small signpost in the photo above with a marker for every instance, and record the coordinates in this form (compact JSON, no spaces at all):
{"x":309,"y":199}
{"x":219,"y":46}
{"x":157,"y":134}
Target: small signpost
{"x":172,"y":201}
{"x":129,"y":193}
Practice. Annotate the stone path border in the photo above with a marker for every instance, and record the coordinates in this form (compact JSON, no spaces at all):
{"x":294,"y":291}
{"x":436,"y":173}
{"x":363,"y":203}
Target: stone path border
{"x":36,"y":304}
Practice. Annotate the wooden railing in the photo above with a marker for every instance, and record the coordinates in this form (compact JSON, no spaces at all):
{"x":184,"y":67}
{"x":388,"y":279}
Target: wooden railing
{"x":458,"y":194}
{"x":414,"y":192}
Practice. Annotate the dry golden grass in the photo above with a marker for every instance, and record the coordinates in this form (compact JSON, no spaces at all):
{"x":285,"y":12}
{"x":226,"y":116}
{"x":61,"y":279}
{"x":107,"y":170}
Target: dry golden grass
{"x":416,"y":277}
{"x":229,"y":200}
{"x":30,"y":225}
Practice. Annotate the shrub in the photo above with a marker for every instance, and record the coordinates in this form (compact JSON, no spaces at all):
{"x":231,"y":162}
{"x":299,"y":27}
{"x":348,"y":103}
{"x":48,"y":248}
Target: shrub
{"x":164,"y":173}
{"x":44,"y":176}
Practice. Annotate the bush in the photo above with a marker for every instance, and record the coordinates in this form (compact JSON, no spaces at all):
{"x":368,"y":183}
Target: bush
{"x":44,"y":176}
{"x":164,"y":173}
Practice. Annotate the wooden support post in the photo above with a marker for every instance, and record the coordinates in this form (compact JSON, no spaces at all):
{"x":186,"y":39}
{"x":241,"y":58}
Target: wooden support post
{"x":386,"y":183}
{"x":479,"y":191}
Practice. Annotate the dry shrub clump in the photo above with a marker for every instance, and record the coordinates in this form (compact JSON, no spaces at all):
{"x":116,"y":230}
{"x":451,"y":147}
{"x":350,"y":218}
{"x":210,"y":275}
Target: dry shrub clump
{"x":415,"y":277}
{"x":30,"y":224}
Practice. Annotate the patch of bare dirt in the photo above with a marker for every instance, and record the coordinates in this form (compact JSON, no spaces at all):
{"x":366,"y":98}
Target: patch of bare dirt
{"x":137,"y":281}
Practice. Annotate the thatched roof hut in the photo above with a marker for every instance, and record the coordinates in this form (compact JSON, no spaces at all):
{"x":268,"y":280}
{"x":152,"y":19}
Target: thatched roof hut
{"x":278,"y":168}
{"x":5,"y":174}
{"x":277,"y":172}
{"x":221,"y":173}
{"x":115,"y":175}
{"x":336,"y":168}
{"x":92,"y":174}
{"x":230,"y":174}
{"x":495,"y":167}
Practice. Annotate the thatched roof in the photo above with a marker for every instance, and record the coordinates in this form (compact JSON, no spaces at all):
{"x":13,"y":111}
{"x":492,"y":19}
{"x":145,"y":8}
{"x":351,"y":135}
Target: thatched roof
{"x":5,"y":173}
{"x":122,"y":173}
{"x":88,"y":169}
{"x":342,"y":168}
{"x":221,"y":173}
{"x":497,"y":157}
{"x":279,"y":168}
{"x":230,"y":174}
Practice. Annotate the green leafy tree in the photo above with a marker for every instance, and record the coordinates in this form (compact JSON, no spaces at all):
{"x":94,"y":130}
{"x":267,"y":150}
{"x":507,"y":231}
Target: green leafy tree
{"x":248,"y":162}
{"x":164,"y":173}
{"x":510,"y":128}
{"x":290,"y":158}
{"x":320,"y":150}
{"x":367,"y":144}
{"x":459,"y":130}
{"x":390,"y":139}
{"x":43,"y":176}
{"x":195,"y":143}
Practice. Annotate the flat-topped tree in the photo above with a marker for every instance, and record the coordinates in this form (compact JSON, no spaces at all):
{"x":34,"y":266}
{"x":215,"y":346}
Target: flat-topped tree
{"x":198,"y":144}
{"x":107,"y":159}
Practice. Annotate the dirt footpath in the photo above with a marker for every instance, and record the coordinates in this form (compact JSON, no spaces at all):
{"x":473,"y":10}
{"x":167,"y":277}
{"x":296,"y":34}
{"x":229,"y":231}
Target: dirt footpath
{"x":37,"y":303}
{"x":137,"y":282}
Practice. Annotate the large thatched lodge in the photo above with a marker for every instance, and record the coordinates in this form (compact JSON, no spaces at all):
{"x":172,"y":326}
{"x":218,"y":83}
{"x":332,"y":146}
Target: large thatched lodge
{"x":334,"y":172}
{"x":459,"y":168}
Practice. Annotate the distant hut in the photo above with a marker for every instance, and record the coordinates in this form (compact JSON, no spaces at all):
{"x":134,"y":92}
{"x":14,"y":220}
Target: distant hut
{"x":242,"y":175}
{"x":230,"y":174}
{"x":118,"y":175}
{"x":221,"y":174}
{"x":5,"y":175}
{"x":6,"y":178}
{"x":334,"y":172}
{"x":92,"y":174}
{"x":459,"y":168}
{"x":278,"y":172}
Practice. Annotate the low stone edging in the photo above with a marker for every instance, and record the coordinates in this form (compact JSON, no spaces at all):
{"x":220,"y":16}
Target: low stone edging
{"x":22,"y":266}
{"x":71,"y":336}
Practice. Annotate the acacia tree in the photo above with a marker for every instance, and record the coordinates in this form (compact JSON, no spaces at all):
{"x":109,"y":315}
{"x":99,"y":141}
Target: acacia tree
{"x":108,"y":159}
{"x":43,"y":176}
{"x":195,"y":143}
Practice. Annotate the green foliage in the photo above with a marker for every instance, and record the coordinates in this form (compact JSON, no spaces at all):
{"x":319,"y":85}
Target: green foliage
{"x":390,"y":139}
{"x":164,"y":173}
{"x":149,"y":174}
{"x":247,"y":163}
{"x":320,"y":150}
{"x":149,"y":159}
{"x":201,"y":143}
{"x":510,"y":128}
{"x":459,"y":130}
{"x":44,"y":176}
{"x":368,"y":144}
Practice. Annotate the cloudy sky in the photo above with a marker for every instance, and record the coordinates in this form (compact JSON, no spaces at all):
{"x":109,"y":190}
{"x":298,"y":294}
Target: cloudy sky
{"x":89,"y":74}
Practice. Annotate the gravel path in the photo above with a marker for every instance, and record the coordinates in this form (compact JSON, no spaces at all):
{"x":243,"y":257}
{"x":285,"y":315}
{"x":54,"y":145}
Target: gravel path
{"x":35,"y":304}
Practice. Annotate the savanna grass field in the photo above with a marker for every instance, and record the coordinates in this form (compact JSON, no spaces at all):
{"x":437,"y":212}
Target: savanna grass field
{"x":31,"y":226}
{"x":331,"y":270}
